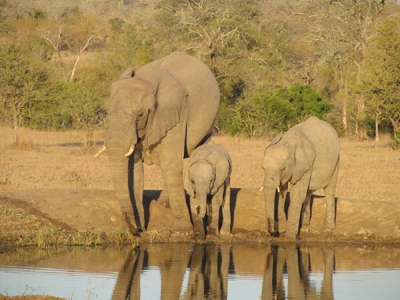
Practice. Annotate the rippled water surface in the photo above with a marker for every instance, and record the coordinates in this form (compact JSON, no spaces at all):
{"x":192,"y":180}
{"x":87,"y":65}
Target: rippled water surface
{"x":196,"y":271}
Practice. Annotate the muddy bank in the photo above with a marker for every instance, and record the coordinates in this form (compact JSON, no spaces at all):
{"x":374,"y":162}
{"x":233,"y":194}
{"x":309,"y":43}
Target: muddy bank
{"x":96,"y":212}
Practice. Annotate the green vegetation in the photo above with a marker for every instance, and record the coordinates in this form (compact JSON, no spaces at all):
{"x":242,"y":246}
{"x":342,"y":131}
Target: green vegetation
{"x":277,"y":62}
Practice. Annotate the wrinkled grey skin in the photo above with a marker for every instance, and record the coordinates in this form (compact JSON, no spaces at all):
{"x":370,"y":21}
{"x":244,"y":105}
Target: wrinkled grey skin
{"x":208,"y":174}
{"x":164,"y":111}
{"x":307,"y":157}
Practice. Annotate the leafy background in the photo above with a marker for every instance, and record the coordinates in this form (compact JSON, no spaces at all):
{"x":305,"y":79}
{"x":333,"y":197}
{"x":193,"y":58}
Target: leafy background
{"x":277,"y":62}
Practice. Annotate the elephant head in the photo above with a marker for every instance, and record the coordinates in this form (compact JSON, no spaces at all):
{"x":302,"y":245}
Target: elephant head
{"x":199,"y":181}
{"x":204,"y":177}
{"x":286,"y":160}
{"x":141,"y":110}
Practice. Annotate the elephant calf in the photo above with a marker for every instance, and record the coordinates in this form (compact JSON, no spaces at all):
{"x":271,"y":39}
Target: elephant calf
{"x":307,"y":157}
{"x":208,"y":174}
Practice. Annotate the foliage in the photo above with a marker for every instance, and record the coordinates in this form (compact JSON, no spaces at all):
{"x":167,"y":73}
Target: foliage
{"x":396,"y":140}
{"x":263,"y":113}
{"x":258,"y":51}
{"x":381,"y":84}
{"x":24,"y":73}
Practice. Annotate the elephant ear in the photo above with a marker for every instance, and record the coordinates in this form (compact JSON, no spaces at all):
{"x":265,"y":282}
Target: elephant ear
{"x":170,"y":101}
{"x":276,"y":139}
{"x":304,"y":156}
{"x":128,"y":73}
{"x":186,"y":180}
{"x":222,"y":171}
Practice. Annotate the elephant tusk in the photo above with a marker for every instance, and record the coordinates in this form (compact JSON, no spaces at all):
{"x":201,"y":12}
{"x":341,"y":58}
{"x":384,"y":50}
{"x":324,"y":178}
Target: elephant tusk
{"x":278,"y":189}
{"x":261,"y":188}
{"x":101,"y":151}
{"x":131,"y":149}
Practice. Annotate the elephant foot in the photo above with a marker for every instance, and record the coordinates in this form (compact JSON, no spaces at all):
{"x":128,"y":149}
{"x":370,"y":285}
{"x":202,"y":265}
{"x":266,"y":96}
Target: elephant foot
{"x":292,"y":237}
{"x":213,"y":231}
{"x":199,"y":236}
{"x":133,"y":229}
{"x":225,"y":229}
{"x":329,"y":225}
{"x":181,"y":226}
{"x":281,"y":226}
{"x":274,"y":233}
{"x":164,"y":200}
{"x":306,"y":220}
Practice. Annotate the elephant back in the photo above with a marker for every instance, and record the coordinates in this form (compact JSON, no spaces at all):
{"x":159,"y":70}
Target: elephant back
{"x":203,"y":94}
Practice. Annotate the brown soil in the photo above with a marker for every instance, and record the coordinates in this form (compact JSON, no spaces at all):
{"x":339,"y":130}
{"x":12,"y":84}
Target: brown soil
{"x":30,"y":297}
{"x":52,"y":191}
{"x":77,"y":216}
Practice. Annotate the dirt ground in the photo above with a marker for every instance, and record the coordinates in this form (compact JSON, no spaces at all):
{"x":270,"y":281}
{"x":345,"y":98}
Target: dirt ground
{"x":76,"y":216}
{"x":52,"y":191}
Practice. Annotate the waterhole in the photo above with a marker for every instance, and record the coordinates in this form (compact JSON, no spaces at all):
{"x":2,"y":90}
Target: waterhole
{"x":200,"y":271}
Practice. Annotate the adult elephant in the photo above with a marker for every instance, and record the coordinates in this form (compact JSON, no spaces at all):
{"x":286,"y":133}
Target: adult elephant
{"x":158,"y":115}
{"x":307,"y":157}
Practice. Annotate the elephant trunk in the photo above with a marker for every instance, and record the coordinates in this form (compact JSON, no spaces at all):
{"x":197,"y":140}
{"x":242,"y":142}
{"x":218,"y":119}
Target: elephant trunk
{"x":119,"y":167}
{"x":203,"y":205}
{"x":199,"y":208}
{"x":270,"y":207}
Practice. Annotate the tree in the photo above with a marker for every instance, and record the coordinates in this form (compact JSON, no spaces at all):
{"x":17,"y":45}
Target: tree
{"x":74,"y":31}
{"x":341,"y":32}
{"x":381,"y":84}
{"x":23,"y":73}
{"x":220,"y":33}
{"x":264,"y":113}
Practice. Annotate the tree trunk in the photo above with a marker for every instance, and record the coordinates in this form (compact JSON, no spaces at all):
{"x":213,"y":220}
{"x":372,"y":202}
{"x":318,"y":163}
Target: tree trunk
{"x":15,"y":123}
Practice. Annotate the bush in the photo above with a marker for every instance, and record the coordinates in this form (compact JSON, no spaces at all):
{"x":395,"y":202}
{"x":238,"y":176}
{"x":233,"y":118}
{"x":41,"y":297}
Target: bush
{"x":396,"y":140}
{"x":262,"y":113}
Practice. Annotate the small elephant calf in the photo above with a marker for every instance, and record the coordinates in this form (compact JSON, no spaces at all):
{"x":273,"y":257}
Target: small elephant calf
{"x":208,"y":174}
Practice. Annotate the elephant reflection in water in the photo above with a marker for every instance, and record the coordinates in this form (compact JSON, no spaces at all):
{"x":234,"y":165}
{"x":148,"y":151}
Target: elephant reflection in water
{"x":208,"y":277}
{"x":297,"y":264}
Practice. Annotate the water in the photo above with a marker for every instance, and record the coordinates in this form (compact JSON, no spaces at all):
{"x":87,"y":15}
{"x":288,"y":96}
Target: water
{"x":196,"y":271}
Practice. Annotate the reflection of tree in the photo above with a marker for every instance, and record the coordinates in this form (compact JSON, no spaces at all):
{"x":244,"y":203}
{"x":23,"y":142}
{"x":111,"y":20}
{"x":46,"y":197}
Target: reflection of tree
{"x":297,"y":264}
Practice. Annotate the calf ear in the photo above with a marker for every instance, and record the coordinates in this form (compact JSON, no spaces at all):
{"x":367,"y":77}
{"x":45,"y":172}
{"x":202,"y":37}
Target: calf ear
{"x":128,"y":73}
{"x":304,"y":156}
{"x":186,"y":180}
{"x":222,"y":170}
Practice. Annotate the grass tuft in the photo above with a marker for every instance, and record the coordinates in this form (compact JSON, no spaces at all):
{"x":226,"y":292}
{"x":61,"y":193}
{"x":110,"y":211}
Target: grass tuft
{"x":21,"y":146}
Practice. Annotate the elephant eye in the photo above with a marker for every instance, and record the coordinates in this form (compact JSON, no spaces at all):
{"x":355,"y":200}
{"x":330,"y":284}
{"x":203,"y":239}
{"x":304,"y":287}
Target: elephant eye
{"x":140,"y":114}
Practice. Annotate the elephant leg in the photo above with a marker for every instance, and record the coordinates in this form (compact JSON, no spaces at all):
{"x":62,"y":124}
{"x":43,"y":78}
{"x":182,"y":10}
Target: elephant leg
{"x":329,"y":191}
{"x":226,"y":210}
{"x":163,"y":199}
{"x":298,"y":193}
{"x":281,"y":208}
{"x":213,"y":212}
{"x":138,"y":183}
{"x":198,"y":227}
{"x":306,"y":211}
{"x":171,"y":163}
